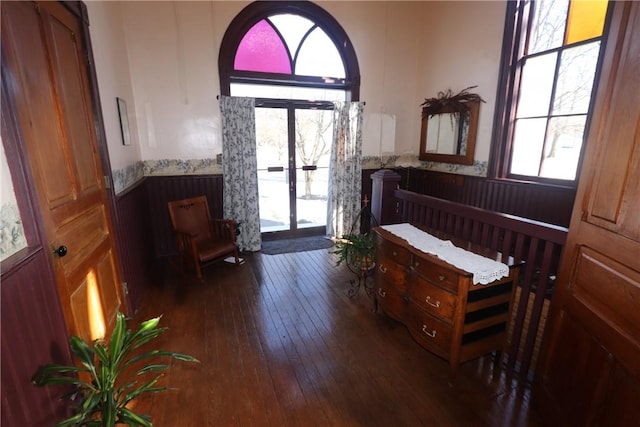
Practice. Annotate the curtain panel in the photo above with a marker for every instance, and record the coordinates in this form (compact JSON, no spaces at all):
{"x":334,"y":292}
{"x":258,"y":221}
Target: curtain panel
{"x":345,"y":170}
{"x":240,"y":169}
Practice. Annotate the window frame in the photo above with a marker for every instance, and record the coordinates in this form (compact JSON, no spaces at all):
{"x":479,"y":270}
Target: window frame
{"x":257,"y":11}
{"x":517,"y":30}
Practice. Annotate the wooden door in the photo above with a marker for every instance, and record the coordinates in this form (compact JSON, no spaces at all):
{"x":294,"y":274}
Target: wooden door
{"x":47,"y":61}
{"x":590,"y":362}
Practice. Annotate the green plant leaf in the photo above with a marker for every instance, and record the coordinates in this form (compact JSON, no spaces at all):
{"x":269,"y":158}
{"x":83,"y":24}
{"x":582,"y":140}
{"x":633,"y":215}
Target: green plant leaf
{"x":109,"y":410}
{"x":128,"y":416}
{"x":73,"y":421}
{"x":101,"y":352}
{"x":147,"y":327}
{"x":152,"y":368}
{"x":184,"y":357}
{"x":82,"y":351}
{"x":101,"y":402}
{"x":54,"y":380}
{"x":161,"y":353}
{"x":46,"y":373}
{"x":117,"y":338}
{"x":147,"y":336}
{"x":146,"y":388}
{"x":85,"y":354}
{"x":90,"y":403}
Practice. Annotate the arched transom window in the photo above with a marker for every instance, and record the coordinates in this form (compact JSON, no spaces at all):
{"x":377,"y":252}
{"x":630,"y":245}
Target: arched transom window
{"x":284,"y":50}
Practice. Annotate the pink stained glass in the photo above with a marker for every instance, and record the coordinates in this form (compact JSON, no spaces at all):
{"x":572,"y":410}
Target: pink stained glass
{"x":262,"y":49}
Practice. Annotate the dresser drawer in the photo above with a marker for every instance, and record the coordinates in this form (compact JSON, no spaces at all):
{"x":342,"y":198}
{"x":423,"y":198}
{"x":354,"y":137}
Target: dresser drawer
{"x":392,"y":251}
{"x":439,"y":275}
{"x":433,"y":299}
{"x":390,"y":301}
{"x":391,"y":272}
{"x":434,"y":334}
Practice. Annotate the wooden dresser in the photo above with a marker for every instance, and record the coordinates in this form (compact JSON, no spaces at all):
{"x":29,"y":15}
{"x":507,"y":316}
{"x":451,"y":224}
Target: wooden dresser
{"x":438,"y":303}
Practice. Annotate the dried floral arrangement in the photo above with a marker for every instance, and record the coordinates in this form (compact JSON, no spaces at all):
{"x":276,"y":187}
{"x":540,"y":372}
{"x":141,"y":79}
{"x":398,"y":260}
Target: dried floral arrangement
{"x":447,"y":102}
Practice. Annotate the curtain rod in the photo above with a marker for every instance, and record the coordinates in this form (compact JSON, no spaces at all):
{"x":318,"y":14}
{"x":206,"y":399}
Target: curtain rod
{"x":363,"y":102}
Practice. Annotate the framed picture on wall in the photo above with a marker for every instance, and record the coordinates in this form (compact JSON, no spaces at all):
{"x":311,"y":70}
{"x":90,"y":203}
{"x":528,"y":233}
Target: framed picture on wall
{"x":124,"y":121}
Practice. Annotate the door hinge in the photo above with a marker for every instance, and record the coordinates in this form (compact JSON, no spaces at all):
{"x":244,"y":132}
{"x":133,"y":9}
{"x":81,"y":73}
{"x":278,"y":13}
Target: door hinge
{"x":107,"y":182}
{"x":125,"y":288}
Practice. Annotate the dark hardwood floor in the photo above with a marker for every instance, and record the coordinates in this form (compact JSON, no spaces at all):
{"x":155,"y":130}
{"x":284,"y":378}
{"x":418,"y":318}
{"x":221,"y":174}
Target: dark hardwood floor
{"x":281,"y":344}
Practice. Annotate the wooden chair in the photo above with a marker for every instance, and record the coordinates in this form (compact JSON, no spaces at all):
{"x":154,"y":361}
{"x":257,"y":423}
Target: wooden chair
{"x":201,"y":239}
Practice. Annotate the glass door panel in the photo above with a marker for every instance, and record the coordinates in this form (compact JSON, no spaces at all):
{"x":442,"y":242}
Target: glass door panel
{"x":293,"y":149}
{"x":313,"y":136}
{"x":273,"y":169}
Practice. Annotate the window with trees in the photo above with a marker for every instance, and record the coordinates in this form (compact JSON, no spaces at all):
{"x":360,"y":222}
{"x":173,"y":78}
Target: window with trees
{"x":296,"y":60}
{"x":551,"y":57}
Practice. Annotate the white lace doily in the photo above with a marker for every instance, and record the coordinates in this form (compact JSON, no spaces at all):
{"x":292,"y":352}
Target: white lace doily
{"x":484,"y":270}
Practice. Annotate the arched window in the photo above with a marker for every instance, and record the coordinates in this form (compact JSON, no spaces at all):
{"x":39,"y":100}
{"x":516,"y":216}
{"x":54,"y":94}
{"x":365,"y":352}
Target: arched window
{"x":288,"y":50}
{"x":296,"y":61}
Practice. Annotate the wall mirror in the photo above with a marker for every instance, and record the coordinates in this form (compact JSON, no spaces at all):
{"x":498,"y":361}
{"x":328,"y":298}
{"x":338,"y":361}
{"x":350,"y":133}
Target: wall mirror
{"x":449,"y":128}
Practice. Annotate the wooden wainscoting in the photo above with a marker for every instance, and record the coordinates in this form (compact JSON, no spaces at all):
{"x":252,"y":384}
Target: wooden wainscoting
{"x":546,"y":203}
{"x":33,"y":334}
{"x":134,"y":234}
{"x":163,"y":189}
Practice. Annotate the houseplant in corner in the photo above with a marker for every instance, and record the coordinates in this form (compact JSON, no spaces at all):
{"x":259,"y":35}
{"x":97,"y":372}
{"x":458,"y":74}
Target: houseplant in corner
{"x":101,"y":380}
{"x":357,"y":251}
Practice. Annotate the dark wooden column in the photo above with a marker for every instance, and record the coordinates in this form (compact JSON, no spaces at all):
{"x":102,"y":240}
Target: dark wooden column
{"x":383,"y":205}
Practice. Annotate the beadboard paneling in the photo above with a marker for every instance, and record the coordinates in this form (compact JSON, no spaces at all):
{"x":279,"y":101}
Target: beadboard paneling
{"x":163,"y":189}
{"x":135,"y":239}
{"x":546,"y":203}
{"x":33,"y":334}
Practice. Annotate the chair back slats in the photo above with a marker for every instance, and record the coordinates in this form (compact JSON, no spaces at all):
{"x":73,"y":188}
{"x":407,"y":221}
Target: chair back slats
{"x":200,"y":239}
{"x":191,"y":216}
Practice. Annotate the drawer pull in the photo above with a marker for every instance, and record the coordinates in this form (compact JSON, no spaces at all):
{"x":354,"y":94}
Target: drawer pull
{"x":433,"y":304}
{"x":442,"y":277}
{"x":382,"y":268}
{"x":395,"y":253}
{"x":432,"y":334}
{"x":417,"y":263}
{"x":382,"y":293}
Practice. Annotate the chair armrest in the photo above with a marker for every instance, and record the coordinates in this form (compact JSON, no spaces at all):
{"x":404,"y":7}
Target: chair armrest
{"x":224,"y":229}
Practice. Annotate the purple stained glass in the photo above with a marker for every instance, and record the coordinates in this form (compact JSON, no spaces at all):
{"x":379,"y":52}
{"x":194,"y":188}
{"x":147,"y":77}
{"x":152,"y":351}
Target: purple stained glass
{"x":262,"y":49}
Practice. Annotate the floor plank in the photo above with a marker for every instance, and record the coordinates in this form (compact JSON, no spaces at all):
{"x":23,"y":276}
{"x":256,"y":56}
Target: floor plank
{"x":281,"y":344}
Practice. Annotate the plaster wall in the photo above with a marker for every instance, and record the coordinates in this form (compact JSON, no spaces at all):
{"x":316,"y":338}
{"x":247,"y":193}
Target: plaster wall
{"x":162,"y":58}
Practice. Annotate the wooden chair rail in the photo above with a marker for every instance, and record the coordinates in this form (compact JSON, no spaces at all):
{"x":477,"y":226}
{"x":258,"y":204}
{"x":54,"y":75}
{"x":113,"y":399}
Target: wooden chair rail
{"x":539,"y":244}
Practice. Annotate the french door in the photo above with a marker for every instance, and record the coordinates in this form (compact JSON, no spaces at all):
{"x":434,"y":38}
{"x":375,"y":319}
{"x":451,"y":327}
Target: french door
{"x":293,"y":150}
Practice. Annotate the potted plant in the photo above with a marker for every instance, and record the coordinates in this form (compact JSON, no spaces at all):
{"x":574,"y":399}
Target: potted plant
{"x":357,"y":251}
{"x":101,"y":380}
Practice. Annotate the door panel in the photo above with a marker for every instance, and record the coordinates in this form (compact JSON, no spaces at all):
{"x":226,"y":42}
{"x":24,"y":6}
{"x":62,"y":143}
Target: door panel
{"x":313,"y":138}
{"x":72,"y":89}
{"x":293,"y":167}
{"x":576,"y":378}
{"x":273,"y":169}
{"x":46,"y":61}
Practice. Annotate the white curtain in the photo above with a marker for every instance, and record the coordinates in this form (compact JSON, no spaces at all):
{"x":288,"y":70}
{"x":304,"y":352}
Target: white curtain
{"x":240,"y":169}
{"x":345,"y":170}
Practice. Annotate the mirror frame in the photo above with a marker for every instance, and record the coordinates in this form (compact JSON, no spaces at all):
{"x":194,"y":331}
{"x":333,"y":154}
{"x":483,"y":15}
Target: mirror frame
{"x":462,"y":159}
